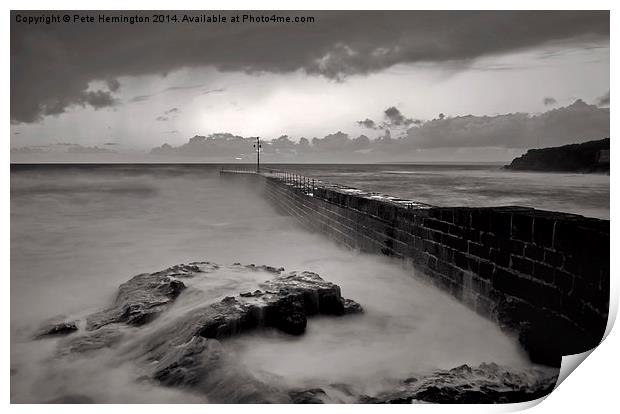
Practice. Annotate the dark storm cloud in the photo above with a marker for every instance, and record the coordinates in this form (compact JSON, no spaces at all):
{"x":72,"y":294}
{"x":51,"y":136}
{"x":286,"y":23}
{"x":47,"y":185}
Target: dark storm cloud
{"x":603,"y":100}
{"x":574,"y":123}
{"x":52,"y":65}
{"x":367,"y":123}
{"x":395,"y":118}
{"x":98,"y":99}
{"x":113,"y":84}
{"x":548,"y":100}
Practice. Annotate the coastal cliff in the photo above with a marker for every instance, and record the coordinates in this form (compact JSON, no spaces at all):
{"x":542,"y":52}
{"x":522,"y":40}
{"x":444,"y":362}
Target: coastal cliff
{"x":591,"y":156}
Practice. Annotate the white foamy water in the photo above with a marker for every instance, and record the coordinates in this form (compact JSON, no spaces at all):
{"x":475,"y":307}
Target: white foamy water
{"x":78,"y":232}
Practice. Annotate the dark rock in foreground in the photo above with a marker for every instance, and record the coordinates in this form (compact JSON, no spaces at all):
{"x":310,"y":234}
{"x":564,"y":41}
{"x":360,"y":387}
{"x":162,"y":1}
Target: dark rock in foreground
{"x":485,"y":384}
{"x":185,"y":351}
{"x":311,"y":396}
{"x":72,"y":399}
{"x":56,"y":327}
{"x":284,"y":303}
{"x":93,"y":341}
{"x":592,"y":156}
{"x":140,"y":299}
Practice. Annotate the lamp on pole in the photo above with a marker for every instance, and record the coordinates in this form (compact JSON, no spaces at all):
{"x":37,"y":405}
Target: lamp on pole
{"x":258,"y":146}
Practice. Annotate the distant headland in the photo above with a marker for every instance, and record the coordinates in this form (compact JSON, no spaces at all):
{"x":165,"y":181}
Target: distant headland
{"x":591,"y":156}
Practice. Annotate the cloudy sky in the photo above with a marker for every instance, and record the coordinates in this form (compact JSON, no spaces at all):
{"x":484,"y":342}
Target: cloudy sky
{"x":120,"y":89}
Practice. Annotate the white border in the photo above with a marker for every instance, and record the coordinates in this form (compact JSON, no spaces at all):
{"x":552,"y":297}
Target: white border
{"x":592,"y":388}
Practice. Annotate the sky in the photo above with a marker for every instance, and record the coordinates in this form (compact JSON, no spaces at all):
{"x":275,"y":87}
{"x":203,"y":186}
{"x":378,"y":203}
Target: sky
{"x":445,"y":85}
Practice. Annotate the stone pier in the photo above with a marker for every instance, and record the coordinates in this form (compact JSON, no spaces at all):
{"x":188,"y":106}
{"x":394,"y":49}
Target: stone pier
{"x":540,"y":274}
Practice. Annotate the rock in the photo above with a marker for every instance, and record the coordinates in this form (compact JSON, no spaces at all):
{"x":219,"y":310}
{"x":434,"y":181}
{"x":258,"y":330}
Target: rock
{"x":183,"y":270}
{"x":256,"y":293}
{"x":287,"y":315}
{"x":140,"y":299}
{"x":185,"y":351}
{"x":72,"y":399}
{"x":311,"y":396}
{"x":485,"y":384}
{"x":352,"y":307}
{"x":183,"y":347}
{"x":204,"y":365}
{"x":182,"y":367}
{"x":56,"y":327}
{"x":105,"y":337}
{"x":318,"y":295}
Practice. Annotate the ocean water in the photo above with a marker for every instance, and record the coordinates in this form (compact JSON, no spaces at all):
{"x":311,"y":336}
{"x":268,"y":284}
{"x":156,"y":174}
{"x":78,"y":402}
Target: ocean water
{"x":77,"y":232}
{"x":473,"y":185}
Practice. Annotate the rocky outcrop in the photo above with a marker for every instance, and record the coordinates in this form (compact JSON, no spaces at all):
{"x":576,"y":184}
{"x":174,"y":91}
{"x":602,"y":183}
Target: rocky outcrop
{"x":485,"y":384}
{"x":140,"y":299}
{"x":187,"y":348}
{"x":591,"y":156}
{"x":185,"y":351}
{"x":72,"y":399}
{"x":284,"y":303}
{"x":311,"y":396}
{"x":92,"y":341}
{"x":56,"y":327}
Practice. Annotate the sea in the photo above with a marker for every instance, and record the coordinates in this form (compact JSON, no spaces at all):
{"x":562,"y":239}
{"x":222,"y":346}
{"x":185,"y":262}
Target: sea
{"x":79,"y":231}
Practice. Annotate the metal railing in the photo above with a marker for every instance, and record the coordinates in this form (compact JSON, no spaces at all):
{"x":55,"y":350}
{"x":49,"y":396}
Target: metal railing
{"x":318,"y":188}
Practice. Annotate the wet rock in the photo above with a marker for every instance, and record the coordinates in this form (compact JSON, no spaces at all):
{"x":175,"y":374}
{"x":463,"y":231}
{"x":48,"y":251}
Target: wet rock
{"x":485,"y":384}
{"x":184,"y":270}
{"x":318,"y":296}
{"x":72,"y":399}
{"x":311,"y":396}
{"x":140,"y":300}
{"x":284,"y":303}
{"x":105,"y":337}
{"x":288,"y":315}
{"x":352,"y":307}
{"x":205,"y":366}
{"x":183,"y":367}
{"x":256,"y":293}
{"x":185,"y":351}
{"x":56,"y":327}
{"x":264,"y":268}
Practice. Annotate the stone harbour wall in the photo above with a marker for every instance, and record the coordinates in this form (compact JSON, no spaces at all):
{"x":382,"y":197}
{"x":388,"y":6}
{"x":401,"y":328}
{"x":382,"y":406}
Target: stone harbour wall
{"x":542,"y":275}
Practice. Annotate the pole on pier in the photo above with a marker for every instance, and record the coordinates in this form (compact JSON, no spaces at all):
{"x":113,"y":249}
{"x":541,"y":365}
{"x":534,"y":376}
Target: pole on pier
{"x":258,"y":146}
